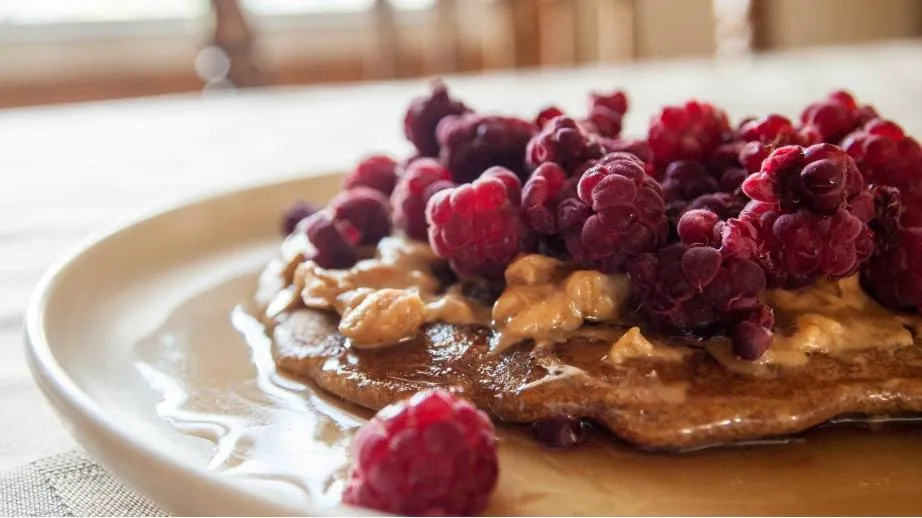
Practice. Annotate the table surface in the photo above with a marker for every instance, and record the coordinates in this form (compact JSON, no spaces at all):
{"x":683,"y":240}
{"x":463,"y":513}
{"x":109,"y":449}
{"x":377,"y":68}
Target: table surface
{"x":69,"y":170}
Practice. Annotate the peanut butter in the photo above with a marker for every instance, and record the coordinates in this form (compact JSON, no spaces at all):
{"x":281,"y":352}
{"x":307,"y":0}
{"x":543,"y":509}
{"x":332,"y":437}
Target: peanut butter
{"x":546,"y":301}
{"x":381,"y":300}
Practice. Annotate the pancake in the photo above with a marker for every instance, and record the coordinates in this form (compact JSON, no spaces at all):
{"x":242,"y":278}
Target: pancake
{"x":649,"y":401}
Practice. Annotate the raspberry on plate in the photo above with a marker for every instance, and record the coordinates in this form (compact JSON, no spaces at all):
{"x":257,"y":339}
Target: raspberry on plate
{"x":334,"y":241}
{"x":834,"y":117}
{"x":541,"y":196}
{"x":423,"y":178}
{"x":378,"y":172}
{"x":424,"y":115}
{"x":472,"y":143}
{"x":618,"y":214}
{"x":294,"y":214}
{"x":367,"y":210}
{"x":478,"y":227}
{"x":606,"y":112}
{"x":687,"y":132}
{"x":565,"y":142}
{"x":885,"y":155}
{"x":431,"y":455}
{"x":894,"y":274}
{"x":820,"y":178}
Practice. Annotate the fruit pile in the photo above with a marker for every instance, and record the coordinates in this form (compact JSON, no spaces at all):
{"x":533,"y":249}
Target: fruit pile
{"x":702,"y":215}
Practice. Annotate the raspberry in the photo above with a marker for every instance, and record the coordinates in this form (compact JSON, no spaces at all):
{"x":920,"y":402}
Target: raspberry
{"x":684,"y":181}
{"x":885,"y":155}
{"x":367,"y":210}
{"x":606,"y":112}
{"x":724,"y":204}
{"x":423,"y":117}
{"x":619,"y":213}
{"x":471,"y":143}
{"x":563,"y":141}
{"x":294,"y":214}
{"x":477,"y":227}
{"x":377,"y":171}
{"x":333,"y":241}
{"x":637,"y":147}
{"x":561,"y":431}
{"x":431,"y":455}
{"x":546,"y":115}
{"x":694,"y":290}
{"x":820,"y":178}
{"x":541,"y":196}
{"x":894,"y":274}
{"x":763,"y":135}
{"x":423,"y":178}
{"x":834,"y":117}
{"x":687,"y":132}
{"x":799,"y":247}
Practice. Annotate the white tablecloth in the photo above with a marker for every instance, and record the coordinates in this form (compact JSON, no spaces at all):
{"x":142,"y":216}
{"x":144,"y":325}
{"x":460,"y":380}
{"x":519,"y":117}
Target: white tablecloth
{"x":68,"y":170}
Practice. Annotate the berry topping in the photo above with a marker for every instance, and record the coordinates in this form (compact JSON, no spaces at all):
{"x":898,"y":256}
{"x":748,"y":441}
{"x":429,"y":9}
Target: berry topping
{"x":687,"y":132}
{"x":606,"y":112}
{"x":424,"y":115}
{"x":885,"y":155}
{"x":820,"y":178}
{"x":541,"y":196}
{"x":834,"y":117}
{"x":546,"y":115}
{"x":562,"y":431}
{"x":799,"y":247}
{"x":472,"y":143}
{"x":619,"y":213}
{"x":378,"y":172}
{"x":367,"y":210}
{"x":478,"y":227}
{"x":563,"y":141}
{"x":294,"y":214}
{"x":894,"y":274}
{"x":684,"y":181}
{"x":637,"y":147}
{"x":334,"y":241}
{"x":423,"y":178}
{"x":431,"y":455}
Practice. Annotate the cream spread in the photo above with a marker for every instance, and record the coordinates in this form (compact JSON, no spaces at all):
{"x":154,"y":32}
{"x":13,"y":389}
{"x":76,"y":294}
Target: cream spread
{"x":546,"y":301}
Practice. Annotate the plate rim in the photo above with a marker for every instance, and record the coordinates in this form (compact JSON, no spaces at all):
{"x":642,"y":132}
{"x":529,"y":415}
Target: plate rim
{"x":70,"y":401}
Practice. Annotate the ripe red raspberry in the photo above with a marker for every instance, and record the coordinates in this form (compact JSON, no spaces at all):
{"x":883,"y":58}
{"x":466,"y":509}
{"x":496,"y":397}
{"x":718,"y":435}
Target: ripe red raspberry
{"x":431,"y":455}
{"x":687,"y":132}
{"x":834,"y":117}
{"x":820,"y":178}
{"x":294,"y":214}
{"x":546,"y":115}
{"x":724,"y":204}
{"x":619,"y":213}
{"x":885,"y":155}
{"x":478,"y":227}
{"x":377,"y":171}
{"x":684,"y":181}
{"x":541,"y":196}
{"x":797,"y":248}
{"x":423,"y":117}
{"x":423,"y":178}
{"x":733,"y":237}
{"x":472,"y":143}
{"x":606,"y":112}
{"x":563,"y":141}
{"x":763,"y":135}
{"x":334,"y":241}
{"x":367,"y":210}
{"x":637,"y":147}
{"x":894,"y":274}
{"x":694,"y":290}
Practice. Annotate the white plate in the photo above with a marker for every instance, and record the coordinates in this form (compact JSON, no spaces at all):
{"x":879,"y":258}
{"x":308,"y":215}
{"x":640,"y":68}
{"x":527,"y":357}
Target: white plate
{"x":100,"y":315}
{"x":132,"y":337}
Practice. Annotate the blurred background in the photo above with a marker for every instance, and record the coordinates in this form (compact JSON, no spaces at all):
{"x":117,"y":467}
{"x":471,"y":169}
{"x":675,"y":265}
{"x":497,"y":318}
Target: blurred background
{"x":54,"y":51}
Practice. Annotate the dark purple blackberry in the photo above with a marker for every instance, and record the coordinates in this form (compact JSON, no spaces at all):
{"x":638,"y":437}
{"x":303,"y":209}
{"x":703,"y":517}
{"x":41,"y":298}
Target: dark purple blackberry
{"x":472,"y":143}
{"x":423,"y":117}
{"x":367,"y":210}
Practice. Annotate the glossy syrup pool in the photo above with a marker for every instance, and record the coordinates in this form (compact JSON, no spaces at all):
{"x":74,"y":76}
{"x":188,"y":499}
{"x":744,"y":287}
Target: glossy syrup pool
{"x":211,"y":363}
